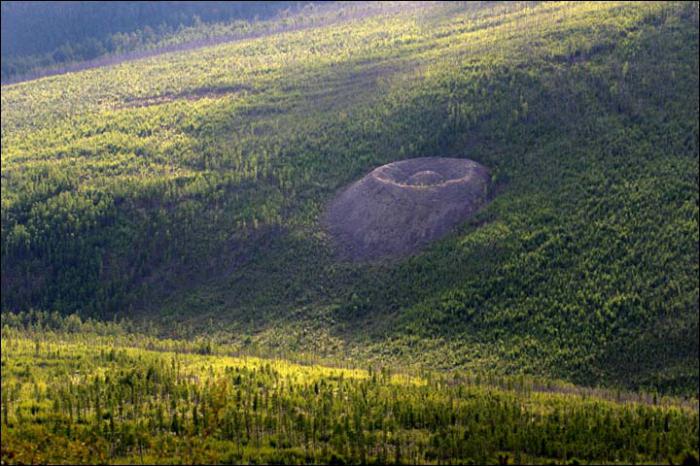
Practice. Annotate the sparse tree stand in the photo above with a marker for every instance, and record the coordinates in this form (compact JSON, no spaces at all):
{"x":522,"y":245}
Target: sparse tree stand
{"x":373,"y":415}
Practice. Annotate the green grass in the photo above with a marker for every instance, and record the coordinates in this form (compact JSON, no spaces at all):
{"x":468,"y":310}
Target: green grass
{"x":184,"y":190}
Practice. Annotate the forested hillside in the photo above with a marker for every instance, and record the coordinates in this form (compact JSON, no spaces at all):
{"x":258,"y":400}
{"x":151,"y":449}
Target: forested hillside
{"x":183,"y":191}
{"x":172,"y":293}
{"x":38,"y":35}
{"x":93,"y":392}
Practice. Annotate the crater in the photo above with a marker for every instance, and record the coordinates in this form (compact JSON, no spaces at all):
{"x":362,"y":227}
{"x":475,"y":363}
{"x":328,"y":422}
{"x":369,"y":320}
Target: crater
{"x":398,"y":208}
{"x":425,"y":178}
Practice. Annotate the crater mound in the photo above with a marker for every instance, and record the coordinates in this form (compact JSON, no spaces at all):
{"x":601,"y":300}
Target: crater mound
{"x":425,"y":178}
{"x":399,"y":207}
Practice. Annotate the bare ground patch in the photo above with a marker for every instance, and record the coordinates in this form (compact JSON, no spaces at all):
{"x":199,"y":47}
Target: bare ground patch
{"x":402,"y":206}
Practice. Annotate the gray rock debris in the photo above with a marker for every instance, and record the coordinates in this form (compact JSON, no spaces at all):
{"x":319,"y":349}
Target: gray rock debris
{"x":400,"y":207}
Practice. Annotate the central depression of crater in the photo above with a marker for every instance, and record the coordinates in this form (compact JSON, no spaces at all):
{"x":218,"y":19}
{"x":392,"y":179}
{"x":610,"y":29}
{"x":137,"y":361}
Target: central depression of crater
{"x":401,"y":206}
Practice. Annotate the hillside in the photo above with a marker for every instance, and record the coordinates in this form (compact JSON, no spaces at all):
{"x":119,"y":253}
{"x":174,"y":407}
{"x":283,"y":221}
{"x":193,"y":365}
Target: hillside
{"x":93,"y":393}
{"x":185,"y":191}
{"x":41,"y":38}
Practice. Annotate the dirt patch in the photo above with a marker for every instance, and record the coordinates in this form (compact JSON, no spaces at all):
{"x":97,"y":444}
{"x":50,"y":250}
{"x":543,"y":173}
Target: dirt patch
{"x":400,"y":207}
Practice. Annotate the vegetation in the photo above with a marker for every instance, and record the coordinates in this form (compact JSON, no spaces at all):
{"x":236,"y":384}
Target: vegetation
{"x":123,"y":184}
{"x":37,"y":35}
{"x":74,"y":395}
{"x":184,"y":191}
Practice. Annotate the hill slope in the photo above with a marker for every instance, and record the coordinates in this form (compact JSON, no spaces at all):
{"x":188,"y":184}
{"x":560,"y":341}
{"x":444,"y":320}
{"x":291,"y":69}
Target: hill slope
{"x":185,"y":190}
{"x":88,"y":392}
{"x":39,"y":35}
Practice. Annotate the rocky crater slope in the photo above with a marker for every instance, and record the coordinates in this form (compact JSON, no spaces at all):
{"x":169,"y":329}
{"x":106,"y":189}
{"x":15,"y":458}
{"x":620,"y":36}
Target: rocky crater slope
{"x":402,"y":206}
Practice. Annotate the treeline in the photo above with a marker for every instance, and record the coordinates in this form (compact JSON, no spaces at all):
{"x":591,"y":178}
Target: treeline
{"x":39,"y":35}
{"x":38,"y":322}
{"x":89,"y":402}
{"x":51,"y":328}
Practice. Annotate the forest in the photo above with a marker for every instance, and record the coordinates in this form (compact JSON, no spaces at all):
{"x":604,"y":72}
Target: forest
{"x":40,"y":34}
{"x":164,"y":264}
{"x":79,"y":394}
